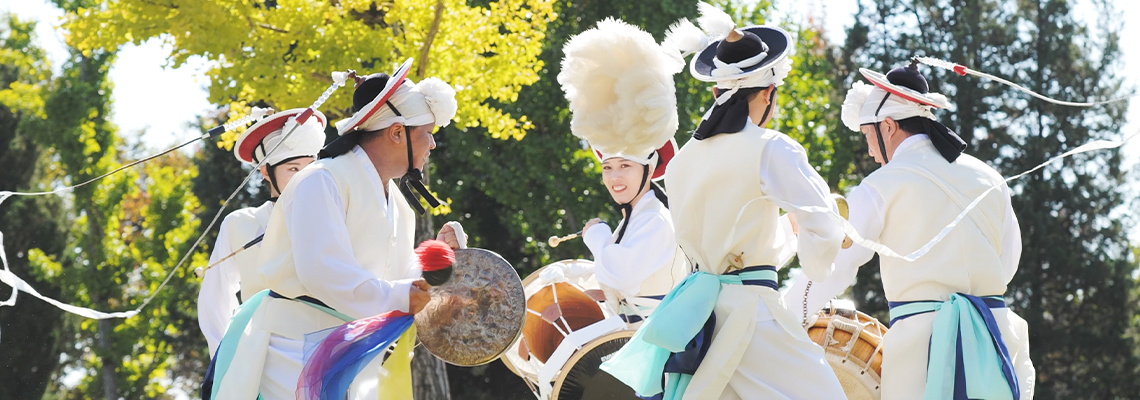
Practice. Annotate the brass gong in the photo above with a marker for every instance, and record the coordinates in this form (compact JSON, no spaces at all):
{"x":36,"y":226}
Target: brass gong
{"x":475,"y":316}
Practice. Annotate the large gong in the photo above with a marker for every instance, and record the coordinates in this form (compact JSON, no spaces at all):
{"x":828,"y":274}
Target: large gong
{"x":474,"y":317}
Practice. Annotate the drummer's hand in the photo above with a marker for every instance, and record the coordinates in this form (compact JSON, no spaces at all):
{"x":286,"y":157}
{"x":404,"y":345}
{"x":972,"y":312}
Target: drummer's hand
{"x":447,"y":235}
{"x":590,"y":224}
{"x":418,"y":296}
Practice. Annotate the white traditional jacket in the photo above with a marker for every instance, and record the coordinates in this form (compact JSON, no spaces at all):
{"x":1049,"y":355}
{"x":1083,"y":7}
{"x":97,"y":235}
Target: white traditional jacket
{"x":725,"y":196}
{"x":904,"y":205}
{"x":331,"y":238}
{"x":217,"y":297}
{"x":647,"y":263}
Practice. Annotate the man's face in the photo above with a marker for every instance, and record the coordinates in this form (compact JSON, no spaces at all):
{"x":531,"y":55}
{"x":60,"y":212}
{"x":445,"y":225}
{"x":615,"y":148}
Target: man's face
{"x":284,"y":172}
{"x":872,"y":138}
{"x":621,"y":177}
{"x":422,"y":144}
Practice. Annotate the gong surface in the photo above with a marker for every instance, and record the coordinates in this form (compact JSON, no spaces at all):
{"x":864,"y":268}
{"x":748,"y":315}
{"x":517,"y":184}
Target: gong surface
{"x":477,"y":314}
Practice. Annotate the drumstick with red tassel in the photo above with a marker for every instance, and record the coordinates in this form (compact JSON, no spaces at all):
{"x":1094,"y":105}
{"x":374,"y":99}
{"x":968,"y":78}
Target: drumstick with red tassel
{"x":436,"y":259}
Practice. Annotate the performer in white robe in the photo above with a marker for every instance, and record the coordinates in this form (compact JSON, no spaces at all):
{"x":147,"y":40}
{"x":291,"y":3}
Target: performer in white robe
{"x":221,"y":285}
{"x":924,"y":183}
{"x":640,"y":261}
{"x":726,"y":187}
{"x":340,"y":241}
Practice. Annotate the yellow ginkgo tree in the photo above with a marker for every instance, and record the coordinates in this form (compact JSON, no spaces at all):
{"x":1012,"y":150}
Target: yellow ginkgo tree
{"x":281,"y":52}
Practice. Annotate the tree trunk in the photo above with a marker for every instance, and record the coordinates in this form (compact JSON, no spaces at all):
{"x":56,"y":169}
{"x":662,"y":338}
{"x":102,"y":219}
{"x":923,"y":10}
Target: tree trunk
{"x":107,"y":370}
{"x":429,"y":374}
{"x":429,"y":377}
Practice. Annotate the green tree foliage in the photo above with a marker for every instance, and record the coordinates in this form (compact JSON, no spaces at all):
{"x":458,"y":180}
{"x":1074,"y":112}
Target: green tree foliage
{"x":1075,"y":285}
{"x":282,"y":51}
{"x":28,"y":353}
{"x":127,"y":232}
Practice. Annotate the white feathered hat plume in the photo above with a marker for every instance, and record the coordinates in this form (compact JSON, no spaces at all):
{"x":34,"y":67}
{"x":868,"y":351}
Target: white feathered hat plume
{"x":619,"y":82}
{"x":688,"y":39}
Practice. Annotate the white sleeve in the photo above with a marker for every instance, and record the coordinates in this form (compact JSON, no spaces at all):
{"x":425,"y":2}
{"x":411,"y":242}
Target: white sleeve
{"x":647,"y":247}
{"x":866,"y":210}
{"x":217,"y":298}
{"x":786,"y":176}
{"x":1010,"y":239}
{"x":315,"y":218}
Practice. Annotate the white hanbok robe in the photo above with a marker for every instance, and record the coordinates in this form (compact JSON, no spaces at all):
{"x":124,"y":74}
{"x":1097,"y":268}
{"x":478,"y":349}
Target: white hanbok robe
{"x":902,"y":209}
{"x":217,"y":297}
{"x":333,"y":236}
{"x":725,"y":195}
{"x":646,"y":263}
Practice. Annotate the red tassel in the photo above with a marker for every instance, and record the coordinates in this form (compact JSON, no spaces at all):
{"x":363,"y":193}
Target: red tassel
{"x":435,"y":255}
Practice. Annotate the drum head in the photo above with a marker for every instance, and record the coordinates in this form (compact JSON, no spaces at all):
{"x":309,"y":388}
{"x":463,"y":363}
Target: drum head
{"x":581,"y":377}
{"x":531,"y":284}
{"x":474,"y":317}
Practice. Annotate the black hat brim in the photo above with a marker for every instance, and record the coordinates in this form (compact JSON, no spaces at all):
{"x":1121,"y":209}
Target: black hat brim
{"x":778,"y":41}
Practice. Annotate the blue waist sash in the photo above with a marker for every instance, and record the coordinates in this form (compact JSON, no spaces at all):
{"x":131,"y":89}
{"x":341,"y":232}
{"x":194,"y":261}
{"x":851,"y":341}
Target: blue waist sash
{"x":671,"y":343}
{"x":967,"y":357}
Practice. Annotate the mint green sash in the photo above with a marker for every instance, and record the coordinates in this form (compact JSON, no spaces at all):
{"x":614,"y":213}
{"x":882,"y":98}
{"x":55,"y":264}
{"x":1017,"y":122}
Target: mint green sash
{"x":640,"y":364}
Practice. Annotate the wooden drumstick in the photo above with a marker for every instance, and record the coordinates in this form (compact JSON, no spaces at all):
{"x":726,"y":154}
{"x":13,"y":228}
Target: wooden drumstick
{"x":554,"y":241}
{"x":202,"y":271}
{"x":844,"y":211}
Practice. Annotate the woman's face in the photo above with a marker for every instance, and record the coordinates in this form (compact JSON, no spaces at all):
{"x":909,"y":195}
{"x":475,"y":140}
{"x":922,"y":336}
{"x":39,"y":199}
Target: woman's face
{"x":621,"y":177}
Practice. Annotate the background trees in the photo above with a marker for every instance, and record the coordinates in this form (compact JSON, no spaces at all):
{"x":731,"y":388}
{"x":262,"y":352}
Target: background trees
{"x":511,"y":170}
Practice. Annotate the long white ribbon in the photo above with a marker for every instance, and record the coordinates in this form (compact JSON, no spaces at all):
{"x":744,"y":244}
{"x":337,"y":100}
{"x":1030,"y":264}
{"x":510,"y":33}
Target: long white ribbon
{"x":7,"y":277}
{"x":885,"y":251}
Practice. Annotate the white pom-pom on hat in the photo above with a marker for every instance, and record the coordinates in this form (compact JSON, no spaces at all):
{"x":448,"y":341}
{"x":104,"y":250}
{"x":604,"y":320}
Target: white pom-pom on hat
{"x":440,"y":98}
{"x":853,"y":104}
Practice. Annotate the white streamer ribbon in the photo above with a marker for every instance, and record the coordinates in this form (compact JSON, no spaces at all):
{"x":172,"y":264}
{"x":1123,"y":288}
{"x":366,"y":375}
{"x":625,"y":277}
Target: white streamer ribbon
{"x":885,"y":251}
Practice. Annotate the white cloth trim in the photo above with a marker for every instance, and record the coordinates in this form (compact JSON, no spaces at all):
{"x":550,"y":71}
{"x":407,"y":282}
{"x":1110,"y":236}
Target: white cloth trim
{"x":778,"y":71}
{"x":730,"y":69}
{"x":459,"y":235}
{"x":643,"y":160}
{"x":896,"y":107}
{"x":305,"y":141}
{"x":430,"y":102}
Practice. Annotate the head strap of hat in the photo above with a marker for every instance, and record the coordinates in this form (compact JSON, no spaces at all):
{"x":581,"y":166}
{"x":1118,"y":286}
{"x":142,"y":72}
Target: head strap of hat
{"x":413,"y":179}
{"x":879,"y":133}
{"x":730,"y":115}
{"x":626,"y":209}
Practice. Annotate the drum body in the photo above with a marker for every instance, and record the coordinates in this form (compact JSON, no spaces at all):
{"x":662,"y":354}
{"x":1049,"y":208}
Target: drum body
{"x":569,"y":328}
{"x":852,"y":343}
{"x":581,"y":377}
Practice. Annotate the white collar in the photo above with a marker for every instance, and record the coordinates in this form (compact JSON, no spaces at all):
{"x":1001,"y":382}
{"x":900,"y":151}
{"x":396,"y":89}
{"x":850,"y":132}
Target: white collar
{"x":649,"y":200}
{"x":909,"y":142}
{"x":374,"y":177}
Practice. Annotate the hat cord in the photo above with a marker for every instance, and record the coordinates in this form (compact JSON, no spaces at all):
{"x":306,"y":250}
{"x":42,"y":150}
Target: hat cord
{"x":878,"y":132}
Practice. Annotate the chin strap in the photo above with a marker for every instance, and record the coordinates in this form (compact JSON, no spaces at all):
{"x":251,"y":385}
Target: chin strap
{"x":879,"y":133}
{"x":768,"y":109}
{"x":626,"y":209}
{"x":413,"y":179}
